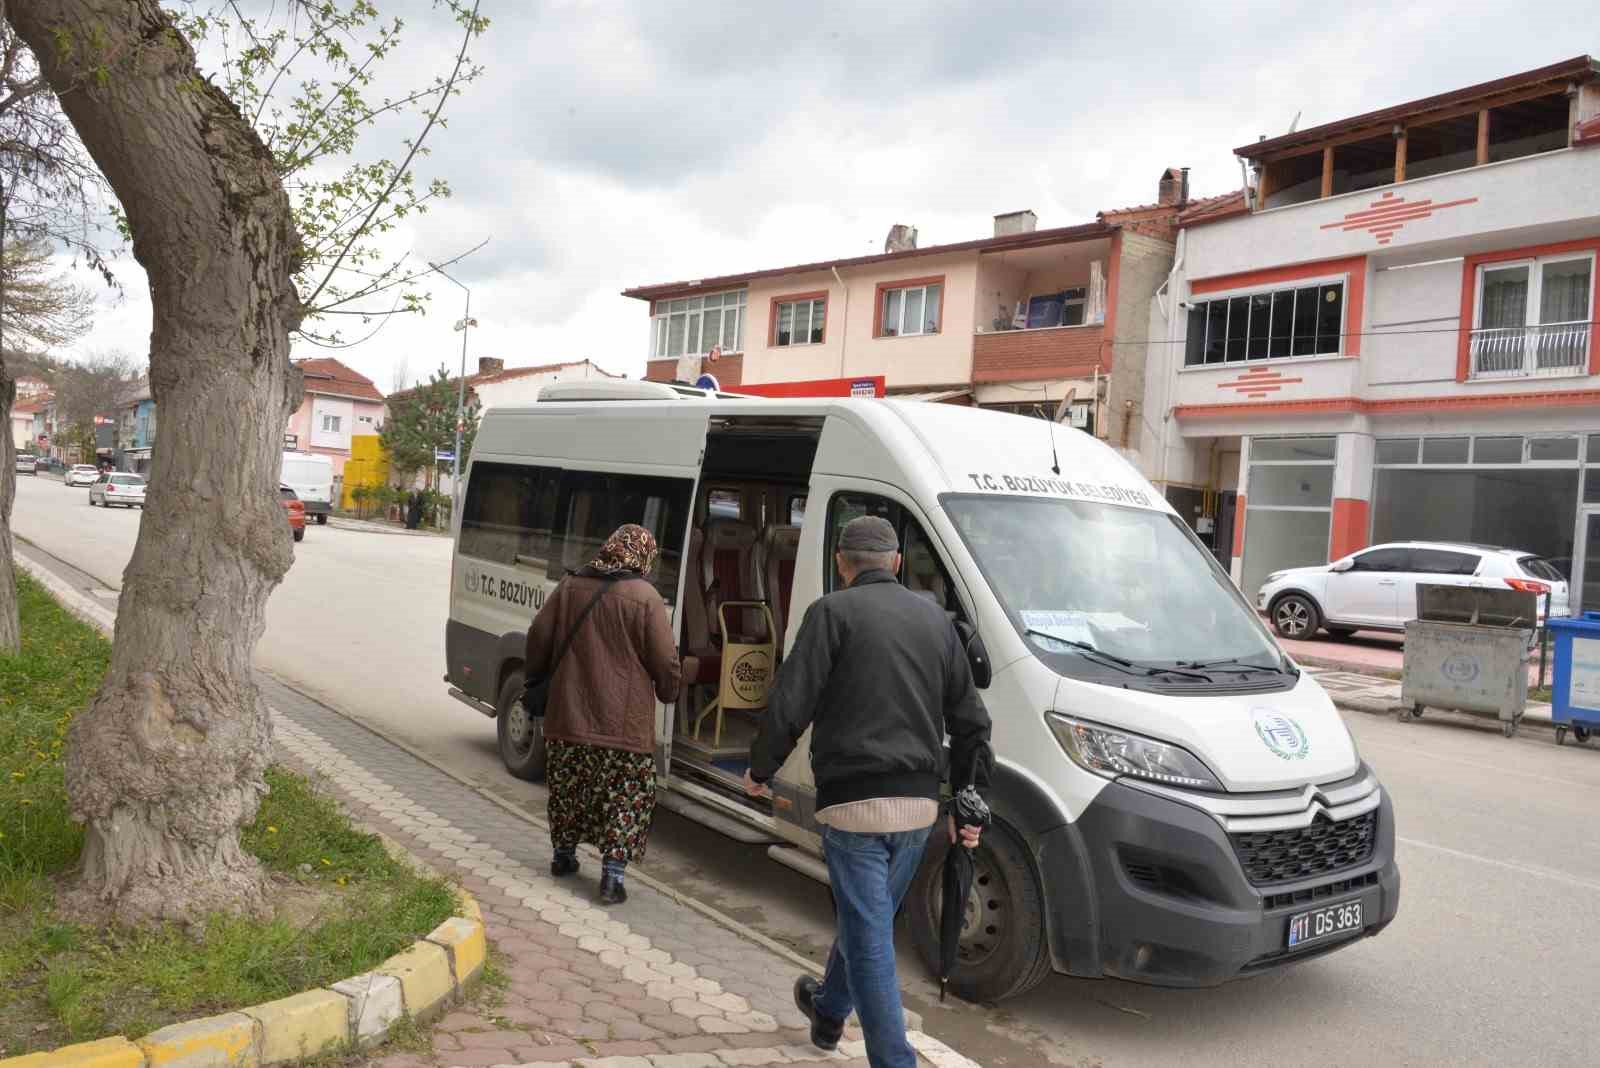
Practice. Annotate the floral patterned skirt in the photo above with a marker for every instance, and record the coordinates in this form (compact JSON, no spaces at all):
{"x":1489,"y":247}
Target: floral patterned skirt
{"x":605,"y":797}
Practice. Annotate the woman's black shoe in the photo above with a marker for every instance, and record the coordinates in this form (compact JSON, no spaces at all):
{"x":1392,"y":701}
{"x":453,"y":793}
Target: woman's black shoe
{"x":612,"y":892}
{"x":825,"y":1031}
{"x":563,"y":865}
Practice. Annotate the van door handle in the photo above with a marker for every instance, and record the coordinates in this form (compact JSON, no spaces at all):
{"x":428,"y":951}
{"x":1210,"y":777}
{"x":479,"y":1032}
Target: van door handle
{"x":1386,"y":582}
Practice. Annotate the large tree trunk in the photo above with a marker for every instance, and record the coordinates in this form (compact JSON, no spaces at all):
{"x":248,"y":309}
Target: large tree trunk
{"x":10,"y":627}
{"x":166,"y":765}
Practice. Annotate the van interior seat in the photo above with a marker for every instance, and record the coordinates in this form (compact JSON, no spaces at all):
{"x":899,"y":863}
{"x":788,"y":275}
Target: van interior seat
{"x":780,"y":548}
{"x":728,"y":564}
{"x":697,"y":641}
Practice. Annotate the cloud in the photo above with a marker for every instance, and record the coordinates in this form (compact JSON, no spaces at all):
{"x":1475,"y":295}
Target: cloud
{"x":618,"y":144}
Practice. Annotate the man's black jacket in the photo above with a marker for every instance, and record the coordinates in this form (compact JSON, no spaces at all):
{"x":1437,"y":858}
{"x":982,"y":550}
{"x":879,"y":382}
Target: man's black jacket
{"x":880,"y":672}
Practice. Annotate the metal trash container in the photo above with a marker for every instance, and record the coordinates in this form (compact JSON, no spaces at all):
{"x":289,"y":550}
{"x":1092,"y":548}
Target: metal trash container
{"x":1575,"y":690}
{"x":1467,"y":651}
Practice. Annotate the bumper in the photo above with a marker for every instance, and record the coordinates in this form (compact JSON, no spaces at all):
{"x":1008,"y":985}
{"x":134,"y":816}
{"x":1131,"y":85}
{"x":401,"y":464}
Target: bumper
{"x":317,"y":507}
{"x":1165,"y":901}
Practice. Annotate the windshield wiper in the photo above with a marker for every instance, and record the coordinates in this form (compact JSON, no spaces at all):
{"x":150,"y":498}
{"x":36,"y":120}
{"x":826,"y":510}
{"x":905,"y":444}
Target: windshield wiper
{"x":1113,"y":660}
{"x":1233,"y":664}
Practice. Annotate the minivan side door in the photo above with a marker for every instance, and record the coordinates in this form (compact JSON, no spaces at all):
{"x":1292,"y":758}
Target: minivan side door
{"x":1368,"y":592}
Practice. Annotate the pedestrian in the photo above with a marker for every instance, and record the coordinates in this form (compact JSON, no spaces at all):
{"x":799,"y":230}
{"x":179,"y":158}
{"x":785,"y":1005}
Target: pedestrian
{"x":880,"y":675}
{"x":600,"y":718}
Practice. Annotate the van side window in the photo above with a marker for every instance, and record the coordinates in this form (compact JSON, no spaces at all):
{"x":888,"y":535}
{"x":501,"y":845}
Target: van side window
{"x":921,"y":569}
{"x":797,"y":510}
{"x":509,"y":511}
{"x":592,"y":505}
{"x":724,"y":504}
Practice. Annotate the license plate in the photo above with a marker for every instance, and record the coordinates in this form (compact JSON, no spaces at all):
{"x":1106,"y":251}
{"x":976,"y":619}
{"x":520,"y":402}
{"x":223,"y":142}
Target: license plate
{"x":1330,"y":921}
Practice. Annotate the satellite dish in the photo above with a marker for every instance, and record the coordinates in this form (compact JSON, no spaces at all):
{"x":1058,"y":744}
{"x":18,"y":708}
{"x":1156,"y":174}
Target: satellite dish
{"x":708,"y":382}
{"x":1065,"y":407}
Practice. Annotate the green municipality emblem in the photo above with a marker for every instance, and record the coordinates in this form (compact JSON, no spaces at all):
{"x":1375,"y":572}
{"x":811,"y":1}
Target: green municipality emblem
{"x":1279,"y":733}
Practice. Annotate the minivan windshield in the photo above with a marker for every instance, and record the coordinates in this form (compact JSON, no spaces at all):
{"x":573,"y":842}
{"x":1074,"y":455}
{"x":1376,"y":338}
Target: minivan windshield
{"x":1115,"y":594}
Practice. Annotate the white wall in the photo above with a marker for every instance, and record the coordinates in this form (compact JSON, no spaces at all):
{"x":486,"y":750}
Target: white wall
{"x":1422,"y":305}
{"x":343,"y":410}
{"x":524,"y":389}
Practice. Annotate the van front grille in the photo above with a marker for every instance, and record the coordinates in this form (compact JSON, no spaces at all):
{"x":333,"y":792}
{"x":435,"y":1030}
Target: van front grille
{"x":1324,"y":847}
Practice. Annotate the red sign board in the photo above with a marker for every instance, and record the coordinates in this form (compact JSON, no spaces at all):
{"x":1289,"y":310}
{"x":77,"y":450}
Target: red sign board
{"x":869,"y":386}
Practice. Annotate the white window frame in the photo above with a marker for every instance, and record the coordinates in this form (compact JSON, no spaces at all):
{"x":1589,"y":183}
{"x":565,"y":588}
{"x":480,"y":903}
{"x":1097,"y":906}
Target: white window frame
{"x":1530,"y":368}
{"x":1273,"y":361}
{"x":811,"y":304}
{"x":883,"y":325}
{"x":693,"y":310}
{"x":329,"y":418}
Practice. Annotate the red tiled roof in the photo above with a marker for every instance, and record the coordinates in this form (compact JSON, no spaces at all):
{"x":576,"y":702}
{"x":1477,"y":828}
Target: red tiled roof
{"x":27,"y":407}
{"x":329,"y":377}
{"x":523,"y":372}
{"x":1576,"y":69}
{"x":1212,"y":209}
{"x":1084,"y":232}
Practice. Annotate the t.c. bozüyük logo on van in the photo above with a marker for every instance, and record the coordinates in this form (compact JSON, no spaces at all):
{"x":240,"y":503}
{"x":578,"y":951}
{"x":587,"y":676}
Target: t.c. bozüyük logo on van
{"x":1282,"y":735}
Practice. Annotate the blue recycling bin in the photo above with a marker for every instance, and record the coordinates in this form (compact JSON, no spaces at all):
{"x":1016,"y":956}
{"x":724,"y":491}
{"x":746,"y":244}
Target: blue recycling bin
{"x":1575,"y":691}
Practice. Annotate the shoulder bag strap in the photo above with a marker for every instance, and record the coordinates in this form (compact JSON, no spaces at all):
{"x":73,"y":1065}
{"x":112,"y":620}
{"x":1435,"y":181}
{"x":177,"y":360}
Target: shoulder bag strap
{"x":577,"y":626}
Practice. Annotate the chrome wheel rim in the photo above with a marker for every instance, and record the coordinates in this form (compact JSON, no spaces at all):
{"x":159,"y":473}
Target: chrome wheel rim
{"x":1294,"y":619}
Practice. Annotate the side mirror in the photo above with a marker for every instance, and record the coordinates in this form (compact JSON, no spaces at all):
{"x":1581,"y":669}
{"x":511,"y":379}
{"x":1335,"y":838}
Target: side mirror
{"x":1342,"y":565}
{"x":977,"y":654}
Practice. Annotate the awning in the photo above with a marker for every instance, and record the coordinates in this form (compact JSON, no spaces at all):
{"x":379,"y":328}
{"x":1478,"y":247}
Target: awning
{"x":938,"y":396}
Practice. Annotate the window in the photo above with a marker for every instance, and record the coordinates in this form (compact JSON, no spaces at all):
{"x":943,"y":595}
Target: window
{"x":1533,"y":317}
{"x":1289,"y":502}
{"x":330,"y":423}
{"x":1526,"y":508}
{"x":910,"y":310}
{"x":797,"y":511}
{"x":1386,"y":560}
{"x":724,"y":503}
{"x":509,"y":512}
{"x":1443,"y":562}
{"x":1304,"y":321}
{"x":1065,"y":308}
{"x":1528,"y":127}
{"x":1497,"y":450}
{"x":1396,"y":451}
{"x":689,"y":325}
{"x":921,"y":569}
{"x":1552,"y":450}
{"x":799,"y":321}
{"x":592,"y":505}
{"x":1445,"y":450}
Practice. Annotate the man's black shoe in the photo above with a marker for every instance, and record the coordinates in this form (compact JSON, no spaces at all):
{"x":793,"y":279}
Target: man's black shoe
{"x":612,"y":892}
{"x":825,"y":1031}
{"x":563,"y":865}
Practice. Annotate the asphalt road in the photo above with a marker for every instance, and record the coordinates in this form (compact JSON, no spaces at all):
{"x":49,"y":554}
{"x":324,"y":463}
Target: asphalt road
{"x":1493,"y":959}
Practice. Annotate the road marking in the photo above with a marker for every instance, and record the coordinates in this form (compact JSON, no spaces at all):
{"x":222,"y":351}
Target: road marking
{"x":1521,"y":869}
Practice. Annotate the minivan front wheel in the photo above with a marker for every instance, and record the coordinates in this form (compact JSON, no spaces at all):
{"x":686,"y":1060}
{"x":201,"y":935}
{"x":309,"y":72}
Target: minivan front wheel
{"x":1002,"y":950}
{"x":521,"y":736}
{"x":1295,"y":617}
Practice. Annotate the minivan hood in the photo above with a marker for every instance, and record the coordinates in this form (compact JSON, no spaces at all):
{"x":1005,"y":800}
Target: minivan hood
{"x":1251,"y":742}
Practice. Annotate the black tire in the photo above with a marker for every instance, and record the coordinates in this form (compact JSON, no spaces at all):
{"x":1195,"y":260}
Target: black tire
{"x":1010,"y":956}
{"x":300,"y":535}
{"x":322,"y":520}
{"x":521,"y":736}
{"x":1580,"y":734}
{"x":1295,"y":617}
{"x":1340,"y":632}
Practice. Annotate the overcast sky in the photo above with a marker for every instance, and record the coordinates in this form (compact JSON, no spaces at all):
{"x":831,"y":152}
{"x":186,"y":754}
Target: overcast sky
{"x":617,"y":144}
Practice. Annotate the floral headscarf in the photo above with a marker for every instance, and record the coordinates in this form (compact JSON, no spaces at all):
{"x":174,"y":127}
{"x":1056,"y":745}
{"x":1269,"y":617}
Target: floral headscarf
{"x":631,"y":548}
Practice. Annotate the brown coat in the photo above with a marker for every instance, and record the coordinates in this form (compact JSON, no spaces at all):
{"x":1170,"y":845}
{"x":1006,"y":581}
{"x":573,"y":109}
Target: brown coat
{"x":621,"y":661}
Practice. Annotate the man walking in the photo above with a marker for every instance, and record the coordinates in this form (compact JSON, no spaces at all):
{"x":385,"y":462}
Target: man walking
{"x":880,"y":675}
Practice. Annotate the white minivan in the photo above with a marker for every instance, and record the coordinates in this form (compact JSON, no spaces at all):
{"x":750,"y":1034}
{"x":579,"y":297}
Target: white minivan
{"x":1176,"y":802}
{"x":310,"y":475}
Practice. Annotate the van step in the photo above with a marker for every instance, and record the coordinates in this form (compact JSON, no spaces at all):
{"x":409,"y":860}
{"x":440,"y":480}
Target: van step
{"x":709,"y":817}
{"x":800,"y":861}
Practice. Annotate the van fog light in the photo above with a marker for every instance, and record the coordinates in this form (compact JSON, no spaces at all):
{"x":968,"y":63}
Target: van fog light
{"x":1114,"y":753}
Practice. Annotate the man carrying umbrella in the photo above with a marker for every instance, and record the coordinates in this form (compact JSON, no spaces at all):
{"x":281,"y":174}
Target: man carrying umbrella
{"x":880,"y":675}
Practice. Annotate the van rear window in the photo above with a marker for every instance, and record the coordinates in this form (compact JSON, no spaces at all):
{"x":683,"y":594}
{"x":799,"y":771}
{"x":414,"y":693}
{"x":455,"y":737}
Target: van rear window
{"x":509,"y":513}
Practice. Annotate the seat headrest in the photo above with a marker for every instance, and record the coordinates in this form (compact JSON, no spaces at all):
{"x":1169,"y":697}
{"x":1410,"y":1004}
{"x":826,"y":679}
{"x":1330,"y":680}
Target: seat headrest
{"x":724,"y":534}
{"x":783,"y":539}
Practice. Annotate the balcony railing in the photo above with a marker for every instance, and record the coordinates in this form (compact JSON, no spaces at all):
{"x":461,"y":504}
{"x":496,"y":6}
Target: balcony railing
{"x":1518,"y":351}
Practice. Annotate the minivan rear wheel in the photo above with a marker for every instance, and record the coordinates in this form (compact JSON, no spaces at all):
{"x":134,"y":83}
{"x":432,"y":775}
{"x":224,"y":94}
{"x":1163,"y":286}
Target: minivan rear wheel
{"x":1295,"y":617}
{"x":1003,"y":952}
{"x":521,"y":736}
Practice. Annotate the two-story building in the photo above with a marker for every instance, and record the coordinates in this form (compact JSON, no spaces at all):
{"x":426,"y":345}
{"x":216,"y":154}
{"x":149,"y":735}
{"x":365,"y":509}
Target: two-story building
{"x":339,"y":403}
{"x":1018,"y":320}
{"x":135,"y":428}
{"x":1391,"y":334}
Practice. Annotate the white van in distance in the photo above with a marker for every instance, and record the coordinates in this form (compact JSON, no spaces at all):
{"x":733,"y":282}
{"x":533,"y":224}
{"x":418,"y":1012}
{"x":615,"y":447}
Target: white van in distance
{"x":1176,"y":803}
{"x":311,"y":477}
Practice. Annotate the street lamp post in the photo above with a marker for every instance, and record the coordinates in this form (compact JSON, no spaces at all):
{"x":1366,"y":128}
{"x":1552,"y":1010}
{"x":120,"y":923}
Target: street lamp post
{"x":466,"y":323}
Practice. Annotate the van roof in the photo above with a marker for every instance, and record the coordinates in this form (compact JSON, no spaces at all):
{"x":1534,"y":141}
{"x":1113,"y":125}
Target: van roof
{"x":931,"y":448}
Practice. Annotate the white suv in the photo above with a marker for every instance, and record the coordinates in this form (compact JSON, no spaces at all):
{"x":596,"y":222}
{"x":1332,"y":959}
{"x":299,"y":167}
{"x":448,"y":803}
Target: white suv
{"x":1376,"y":588}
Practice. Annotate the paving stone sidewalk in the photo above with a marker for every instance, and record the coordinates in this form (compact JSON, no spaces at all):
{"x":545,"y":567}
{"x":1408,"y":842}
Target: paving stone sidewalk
{"x":652,"y":984}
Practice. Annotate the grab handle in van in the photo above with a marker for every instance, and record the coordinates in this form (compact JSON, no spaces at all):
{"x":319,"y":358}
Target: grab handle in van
{"x":977,"y":654}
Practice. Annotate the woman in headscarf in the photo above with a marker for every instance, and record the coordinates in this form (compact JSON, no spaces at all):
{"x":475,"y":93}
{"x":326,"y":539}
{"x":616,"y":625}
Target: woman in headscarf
{"x":600,"y":720}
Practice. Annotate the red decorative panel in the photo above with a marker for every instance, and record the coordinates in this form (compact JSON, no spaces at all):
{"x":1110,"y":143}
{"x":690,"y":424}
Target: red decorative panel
{"x":1259,"y":382}
{"x":1387,"y":215}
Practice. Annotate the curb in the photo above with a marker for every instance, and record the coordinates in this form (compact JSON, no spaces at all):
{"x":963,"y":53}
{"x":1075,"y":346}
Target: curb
{"x":1536,"y":715}
{"x":417,"y":983}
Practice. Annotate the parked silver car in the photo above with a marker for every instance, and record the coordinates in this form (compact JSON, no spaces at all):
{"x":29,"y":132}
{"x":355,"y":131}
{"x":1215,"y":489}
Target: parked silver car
{"x":117,"y":489}
{"x":27,"y":465}
{"x":81,"y":475}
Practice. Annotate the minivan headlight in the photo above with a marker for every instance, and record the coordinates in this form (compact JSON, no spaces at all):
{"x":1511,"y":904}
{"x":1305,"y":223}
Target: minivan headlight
{"x":1112,"y":753}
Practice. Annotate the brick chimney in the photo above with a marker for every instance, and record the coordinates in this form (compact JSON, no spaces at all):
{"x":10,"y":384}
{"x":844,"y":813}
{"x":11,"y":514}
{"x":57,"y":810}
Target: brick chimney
{"x":1174,"y":189}
{"x":1015,"y":222}
{"x":901,"y":238}
{"x":490,"y":365}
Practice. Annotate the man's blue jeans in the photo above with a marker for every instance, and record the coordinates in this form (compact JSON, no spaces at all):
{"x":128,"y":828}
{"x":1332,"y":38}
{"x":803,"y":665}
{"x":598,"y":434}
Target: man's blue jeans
{"x":870,"y":874}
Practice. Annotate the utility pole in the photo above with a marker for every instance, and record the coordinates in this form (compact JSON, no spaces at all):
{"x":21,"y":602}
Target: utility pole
{"x":466,"y":323}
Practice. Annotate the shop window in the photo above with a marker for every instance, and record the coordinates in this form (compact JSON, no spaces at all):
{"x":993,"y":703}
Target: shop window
{"x":1277,"y":450}
{"x":1274,"y":540}
{"x":1396,"y":451}
{"x":1552,"y":450}
{"x":1364,"y":164}
{"x":1293,"y":180}
{"x":1499,"y":450}
{"x":1445,"y":450}
{"x":1527,"y":508}
{"x":1592,"y":452}
{"x":1438,"y":147}
{"x":1528,"y":127}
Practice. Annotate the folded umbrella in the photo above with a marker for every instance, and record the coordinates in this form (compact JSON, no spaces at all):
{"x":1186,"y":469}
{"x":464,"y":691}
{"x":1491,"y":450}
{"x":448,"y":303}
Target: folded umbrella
{"x":969,"y":810}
